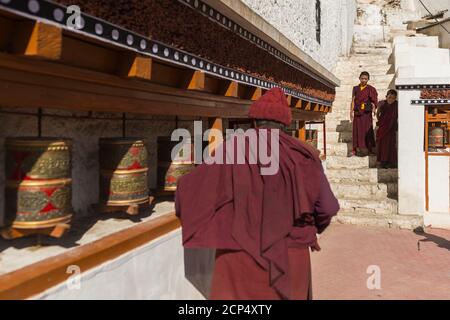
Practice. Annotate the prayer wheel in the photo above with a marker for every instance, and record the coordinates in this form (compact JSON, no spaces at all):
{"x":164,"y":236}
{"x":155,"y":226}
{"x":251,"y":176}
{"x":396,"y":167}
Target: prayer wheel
{"x":123,"y":171}
{"x":38,"y":189}
{"x":312,"y":137}
{"x":436,"y":137}
{"x":171,"y":170}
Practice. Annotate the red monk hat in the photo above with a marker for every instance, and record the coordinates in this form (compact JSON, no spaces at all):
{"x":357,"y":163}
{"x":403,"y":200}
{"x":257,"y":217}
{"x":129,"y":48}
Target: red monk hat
{"x":272,"y":106}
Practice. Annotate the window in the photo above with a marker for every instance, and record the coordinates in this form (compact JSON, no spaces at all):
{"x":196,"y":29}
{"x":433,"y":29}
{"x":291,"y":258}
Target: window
{"x":318,"y":20}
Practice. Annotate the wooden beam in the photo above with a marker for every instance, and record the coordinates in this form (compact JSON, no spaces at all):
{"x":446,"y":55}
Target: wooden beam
{"x":229,"y":89}
{"x":6,"y":28}
{"x":37,"y":39}
{"x":315,"y":107}
{"x":87,"y":55}
{"x":321,"y":108}
{"x":257,"y":93}
{"x":306,"y":105}
{"x":135,"y":66}
{"x":296,"y":103}
{"x":289,"y":99}
{"x":196,"y":81}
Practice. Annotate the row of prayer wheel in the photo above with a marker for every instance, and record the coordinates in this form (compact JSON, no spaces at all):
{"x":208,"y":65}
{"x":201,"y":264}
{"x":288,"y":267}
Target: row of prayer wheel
{"x":39,"y":177}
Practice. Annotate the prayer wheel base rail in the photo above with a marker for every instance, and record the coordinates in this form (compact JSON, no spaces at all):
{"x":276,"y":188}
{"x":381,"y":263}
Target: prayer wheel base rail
{"x":57,"y":231}
{"x":130,"y":209}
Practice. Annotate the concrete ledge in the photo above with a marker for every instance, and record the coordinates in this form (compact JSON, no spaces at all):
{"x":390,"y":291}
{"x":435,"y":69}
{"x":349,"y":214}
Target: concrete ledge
{"x":38,"y":277}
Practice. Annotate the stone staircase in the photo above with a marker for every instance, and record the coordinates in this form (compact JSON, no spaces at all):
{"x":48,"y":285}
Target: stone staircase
{"x":367,"y":195}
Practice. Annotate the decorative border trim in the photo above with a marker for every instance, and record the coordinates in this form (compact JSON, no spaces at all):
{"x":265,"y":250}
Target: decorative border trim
{"x":234,"y":27}
{"x":118,"y":36}
{"x":422,"y":86}
{"x":430,"y":102}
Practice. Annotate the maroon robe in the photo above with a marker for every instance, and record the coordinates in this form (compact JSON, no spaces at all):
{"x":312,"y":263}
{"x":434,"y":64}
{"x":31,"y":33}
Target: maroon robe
{"x":363,"y":134}
{"x":386,"y":133}
{"x":256,"y":219}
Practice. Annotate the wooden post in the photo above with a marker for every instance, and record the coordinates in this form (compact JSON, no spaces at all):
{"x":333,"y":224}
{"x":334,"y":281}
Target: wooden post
{"x":213,"y":139}
{"x":427,"y":197}
{"x":324,"y":140}
{"x":302,"y":131}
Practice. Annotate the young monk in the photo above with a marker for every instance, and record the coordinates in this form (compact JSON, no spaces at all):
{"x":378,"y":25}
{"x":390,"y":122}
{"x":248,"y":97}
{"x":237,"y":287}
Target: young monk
{"x":362,"y":110}
{"x":387,"y":115}
{"x":261,"y":225}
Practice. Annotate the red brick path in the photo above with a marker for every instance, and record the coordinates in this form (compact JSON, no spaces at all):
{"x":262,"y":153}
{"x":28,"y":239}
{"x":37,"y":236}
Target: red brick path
{"x":340,"y":269}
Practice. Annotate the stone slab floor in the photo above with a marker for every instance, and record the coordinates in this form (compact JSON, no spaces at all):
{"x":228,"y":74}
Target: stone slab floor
{"x":340,"y":270}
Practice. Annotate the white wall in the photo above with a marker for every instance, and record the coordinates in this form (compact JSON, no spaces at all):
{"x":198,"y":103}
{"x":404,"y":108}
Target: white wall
{"x":411,"y":158}
{"x":296,"y":20}
{"x":420,"y":61}
{"x":156,"y":271}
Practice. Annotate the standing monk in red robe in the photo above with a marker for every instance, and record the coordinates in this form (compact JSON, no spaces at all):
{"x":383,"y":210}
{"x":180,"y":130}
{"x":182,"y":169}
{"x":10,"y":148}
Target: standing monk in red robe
{"x":261,"y":225}
{"x":387,"y":115}
{"x":364,"y":102}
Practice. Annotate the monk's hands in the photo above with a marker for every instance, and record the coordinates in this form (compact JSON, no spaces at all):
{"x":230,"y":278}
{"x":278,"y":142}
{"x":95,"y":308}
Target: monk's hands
{"x":316,"y":247}
{"x":351,"y":116}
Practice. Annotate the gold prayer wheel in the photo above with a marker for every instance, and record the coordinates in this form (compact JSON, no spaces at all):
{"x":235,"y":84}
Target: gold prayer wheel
{"x":38,"y":189}
{"x":171,"y":170}
{"x":312,"y":138}
{"x":436,"y":137}
{"x":123,"y":171}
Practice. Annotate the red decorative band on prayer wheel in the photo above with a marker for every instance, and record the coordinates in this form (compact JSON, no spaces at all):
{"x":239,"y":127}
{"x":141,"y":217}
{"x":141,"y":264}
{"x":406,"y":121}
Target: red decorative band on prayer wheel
{"x":312,"y":137}
{"x":38,"y":182}
{"x":436,"y":137}
{"x":123,"y":171}
{"x":171,"y":170}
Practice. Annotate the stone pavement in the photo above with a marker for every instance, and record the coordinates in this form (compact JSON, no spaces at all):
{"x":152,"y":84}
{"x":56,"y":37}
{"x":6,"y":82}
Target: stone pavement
{"x":340,"y":269}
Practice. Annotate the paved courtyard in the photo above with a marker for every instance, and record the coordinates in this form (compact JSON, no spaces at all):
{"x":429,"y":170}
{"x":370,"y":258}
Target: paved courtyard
{"x":340,"y":269}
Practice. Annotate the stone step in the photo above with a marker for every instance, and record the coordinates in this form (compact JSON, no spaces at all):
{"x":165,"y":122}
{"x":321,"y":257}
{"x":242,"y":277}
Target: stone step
{"x":372,"y":50}
{"x":339,"y":149}
{"x":339,"y":137}
{"x":363,"y":175}
{"x":337,"y":162}
{"x":354,"y":191}
{"x":352,"y":69}
{"x":378,"y":85}
{"x":394,"y":221}
{"x":369,"y":206}
{"x":364,"y":59}
{"x":351,"y":80}
{"x":339,"y":125}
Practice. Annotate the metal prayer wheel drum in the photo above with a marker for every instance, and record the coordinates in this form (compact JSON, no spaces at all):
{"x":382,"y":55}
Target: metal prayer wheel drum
{"x":171,"y":170}
{"x":436,"y":137}
{"x":123,"y":171}
{"x":312,"y":137}
{"x":38,"y":182}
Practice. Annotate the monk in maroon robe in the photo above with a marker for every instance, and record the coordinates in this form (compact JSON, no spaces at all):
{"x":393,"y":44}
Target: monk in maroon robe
{"x":387,"y":115}
{"x":364,"y":102}
{"x":261,"y":226}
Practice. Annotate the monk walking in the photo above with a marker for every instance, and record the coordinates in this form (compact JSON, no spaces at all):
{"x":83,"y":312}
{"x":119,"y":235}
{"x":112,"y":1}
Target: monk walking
{"x":364,"y":102}
{"x":387,"y":115}
{"x":261,"y":225}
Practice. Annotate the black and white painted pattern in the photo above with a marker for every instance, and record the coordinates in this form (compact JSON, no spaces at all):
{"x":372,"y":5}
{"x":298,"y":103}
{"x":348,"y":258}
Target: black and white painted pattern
{"x":43,"y":10}
{"x":422,"y":86}
{"x":430,"y":102}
